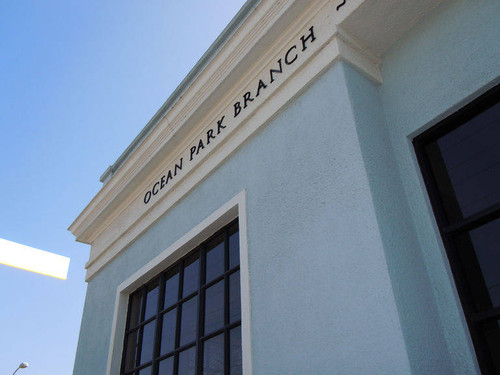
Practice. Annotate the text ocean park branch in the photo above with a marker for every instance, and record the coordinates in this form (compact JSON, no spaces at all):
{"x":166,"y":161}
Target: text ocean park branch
{"x":218,"y":128}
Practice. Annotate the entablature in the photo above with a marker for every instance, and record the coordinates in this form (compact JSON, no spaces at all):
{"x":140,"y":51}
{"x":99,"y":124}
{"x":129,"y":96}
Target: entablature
{"x":276,"y":50}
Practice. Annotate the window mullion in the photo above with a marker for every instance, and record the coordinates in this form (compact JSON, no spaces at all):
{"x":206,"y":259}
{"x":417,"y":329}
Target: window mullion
{"x":159,"y":307}
{"x":201,"y":311}
{"x":483,"y":316}
{"x":141,"y":328}
{"x":474,"y":221}
{"x":178,"y":318}
{"x":216,"y":358}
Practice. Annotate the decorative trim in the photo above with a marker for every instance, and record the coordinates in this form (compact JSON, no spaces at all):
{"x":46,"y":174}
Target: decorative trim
{"x":235,"y":208}
{"x":221,"y":40}
{"x":352,"y":52}
{"x":129,"y":225}
{"x":118,"y":215}
{"x":180,"y":113}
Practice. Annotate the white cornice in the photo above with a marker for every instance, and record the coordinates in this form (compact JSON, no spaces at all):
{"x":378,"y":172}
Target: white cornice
{"x":232,"y":61}
{"x":226,"y":34}
{"x":117,"y":214}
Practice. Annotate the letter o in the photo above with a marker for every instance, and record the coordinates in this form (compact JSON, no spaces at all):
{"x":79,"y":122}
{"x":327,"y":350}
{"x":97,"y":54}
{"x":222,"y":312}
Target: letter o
{"x":155,"y":188}
{"x":147,"y":197}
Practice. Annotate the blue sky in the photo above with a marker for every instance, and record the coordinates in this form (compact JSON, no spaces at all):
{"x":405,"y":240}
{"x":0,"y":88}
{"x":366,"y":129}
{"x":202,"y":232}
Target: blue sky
{"x":79,"y":80}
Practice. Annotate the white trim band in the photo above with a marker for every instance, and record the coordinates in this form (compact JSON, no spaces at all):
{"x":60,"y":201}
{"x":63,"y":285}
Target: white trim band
{"x":235,"y":208}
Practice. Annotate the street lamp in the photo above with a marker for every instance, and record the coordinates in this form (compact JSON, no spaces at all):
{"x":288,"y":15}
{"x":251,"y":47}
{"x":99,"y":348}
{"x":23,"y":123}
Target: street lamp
{"x":22,"y":365}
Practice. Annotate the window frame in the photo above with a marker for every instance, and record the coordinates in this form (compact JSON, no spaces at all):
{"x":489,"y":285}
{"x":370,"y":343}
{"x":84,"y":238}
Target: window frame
{"x":450,"y":231}
{"x":199,"y":294}
{"x":222,"y":217}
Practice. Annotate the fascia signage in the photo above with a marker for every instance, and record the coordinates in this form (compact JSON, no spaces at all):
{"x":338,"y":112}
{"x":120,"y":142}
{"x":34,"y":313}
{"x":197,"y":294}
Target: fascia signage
{"x":219,"y":128}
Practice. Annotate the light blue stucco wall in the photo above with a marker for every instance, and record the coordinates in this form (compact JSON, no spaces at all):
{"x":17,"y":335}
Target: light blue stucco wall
{"x":412,"y":287}
{"x":321,"y":297}
{"x":347,"y":272}
{"x":448,"y":59}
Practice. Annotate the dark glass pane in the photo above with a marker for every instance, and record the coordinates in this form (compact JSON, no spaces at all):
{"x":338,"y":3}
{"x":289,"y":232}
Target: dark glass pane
{"x":179,"y":321}
{"x":214,"y":307}
{"x":466,"y":164}
{"x":492,"y":335}
{"x":191,"y":275}
{"x":148,"y":336}
{"x":166,"y":366}
{"x":168,"y":332}
{"x":151,"y":301}
{"x":234,"y":297}
{"x":213,"y":356}
{"x":234,"y":248}
{"x":215,"y":259}
{"x":172,"y":288}
{"x":189,"y":320}
{"x":480,"y":254}
{"x":235,"y":364}
{"x":135,"y":309}
{"x":131,"y":350}
{"x":187,"y":362}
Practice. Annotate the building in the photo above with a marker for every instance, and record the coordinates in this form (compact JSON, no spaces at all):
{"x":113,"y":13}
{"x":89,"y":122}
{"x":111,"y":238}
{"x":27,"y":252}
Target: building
{"x":321,"y":195}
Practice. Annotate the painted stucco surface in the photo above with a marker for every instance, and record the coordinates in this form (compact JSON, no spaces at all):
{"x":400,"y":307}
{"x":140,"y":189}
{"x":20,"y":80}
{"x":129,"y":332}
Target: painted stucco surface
{"x":449,"y":58}
{"x":412,"y":288}
{"x":321,"y":297}
{"x":347,"y":272}
{"x":316,"y":258}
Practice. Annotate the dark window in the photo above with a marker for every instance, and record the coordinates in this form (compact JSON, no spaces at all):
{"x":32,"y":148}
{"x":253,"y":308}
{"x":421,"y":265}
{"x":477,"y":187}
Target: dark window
{"x":460,"y":162}
{"x":187,"y":320}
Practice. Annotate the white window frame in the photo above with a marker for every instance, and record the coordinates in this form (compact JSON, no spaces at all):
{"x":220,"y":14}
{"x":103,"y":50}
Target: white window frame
{"x":234,"y":208}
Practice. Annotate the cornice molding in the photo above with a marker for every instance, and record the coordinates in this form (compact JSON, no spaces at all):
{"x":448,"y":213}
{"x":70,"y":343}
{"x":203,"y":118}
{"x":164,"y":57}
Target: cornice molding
{"x":228,"y":31}
{"x":188,"y":109}
{"x":117,"y":214}
{"x":177,"y":113}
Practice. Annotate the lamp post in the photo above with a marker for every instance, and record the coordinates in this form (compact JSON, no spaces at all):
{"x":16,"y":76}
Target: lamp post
{"x":22,"y":365}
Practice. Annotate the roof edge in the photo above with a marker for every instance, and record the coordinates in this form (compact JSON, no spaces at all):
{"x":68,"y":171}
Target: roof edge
{"x":210,"y":53}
